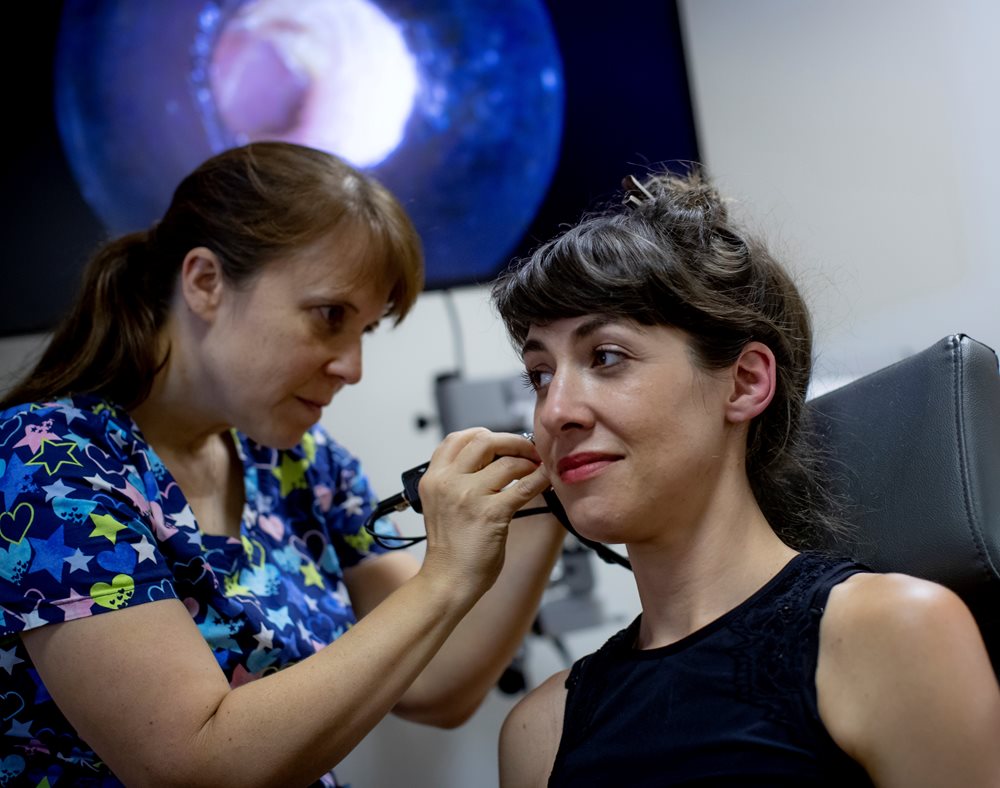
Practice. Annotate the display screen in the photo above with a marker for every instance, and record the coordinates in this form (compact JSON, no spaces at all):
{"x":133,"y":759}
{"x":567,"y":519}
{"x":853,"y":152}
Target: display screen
{"x":494,"y":122}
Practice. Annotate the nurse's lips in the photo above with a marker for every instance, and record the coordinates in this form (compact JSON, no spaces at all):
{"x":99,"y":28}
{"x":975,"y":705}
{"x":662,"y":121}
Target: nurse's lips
{"x":583,"y":466}
{"x":316,"y":406}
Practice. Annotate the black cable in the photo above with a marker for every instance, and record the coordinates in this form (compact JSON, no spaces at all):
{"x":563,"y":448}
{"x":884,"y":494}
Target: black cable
{"x":398,"y":503}
{"x":604,"y":552}
{"x":409,"y":497}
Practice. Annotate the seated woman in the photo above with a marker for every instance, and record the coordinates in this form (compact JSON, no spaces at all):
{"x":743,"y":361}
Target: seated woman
{"x":670,"y":355}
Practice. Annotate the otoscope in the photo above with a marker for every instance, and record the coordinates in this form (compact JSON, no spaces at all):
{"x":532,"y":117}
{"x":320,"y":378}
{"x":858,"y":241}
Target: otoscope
{"x":410,"y":498}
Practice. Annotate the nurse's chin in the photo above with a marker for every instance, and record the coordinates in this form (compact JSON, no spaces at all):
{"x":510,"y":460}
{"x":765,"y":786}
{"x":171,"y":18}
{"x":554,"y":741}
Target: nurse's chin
{"x":281,"y":438}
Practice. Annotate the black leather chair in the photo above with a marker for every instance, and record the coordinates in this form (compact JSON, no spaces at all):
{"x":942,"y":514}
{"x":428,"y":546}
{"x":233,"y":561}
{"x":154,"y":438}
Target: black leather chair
{"x":914,"y":451}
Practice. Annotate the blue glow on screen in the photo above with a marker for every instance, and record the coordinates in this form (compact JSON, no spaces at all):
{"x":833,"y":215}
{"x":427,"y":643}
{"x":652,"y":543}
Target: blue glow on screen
{"x":496,"y":122}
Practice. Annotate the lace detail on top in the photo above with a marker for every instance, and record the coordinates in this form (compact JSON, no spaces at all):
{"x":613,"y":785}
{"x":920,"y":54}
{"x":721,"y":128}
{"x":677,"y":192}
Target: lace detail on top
{"x":776,"y":644}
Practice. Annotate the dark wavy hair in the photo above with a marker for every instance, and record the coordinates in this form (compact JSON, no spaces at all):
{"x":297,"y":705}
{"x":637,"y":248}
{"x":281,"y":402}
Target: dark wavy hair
{"x":252,"y":206}
{"x":669,"y":255}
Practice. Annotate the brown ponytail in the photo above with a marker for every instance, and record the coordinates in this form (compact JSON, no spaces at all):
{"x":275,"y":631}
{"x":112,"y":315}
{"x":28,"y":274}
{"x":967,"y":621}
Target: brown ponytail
{"x":107,"y":344}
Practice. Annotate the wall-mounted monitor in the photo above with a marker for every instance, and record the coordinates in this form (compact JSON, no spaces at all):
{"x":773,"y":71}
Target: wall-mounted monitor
{"x":494,"y":122}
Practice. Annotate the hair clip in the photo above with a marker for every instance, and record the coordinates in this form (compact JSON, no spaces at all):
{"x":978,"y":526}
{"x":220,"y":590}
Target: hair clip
{"x":635,"y":192}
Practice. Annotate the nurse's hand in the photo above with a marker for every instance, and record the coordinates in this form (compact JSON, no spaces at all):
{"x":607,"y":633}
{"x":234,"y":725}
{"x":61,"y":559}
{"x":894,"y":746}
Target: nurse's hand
{"x":476,"y":481}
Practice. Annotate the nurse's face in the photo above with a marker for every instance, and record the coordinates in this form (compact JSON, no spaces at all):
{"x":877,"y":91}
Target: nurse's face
{"x":282,"y":346}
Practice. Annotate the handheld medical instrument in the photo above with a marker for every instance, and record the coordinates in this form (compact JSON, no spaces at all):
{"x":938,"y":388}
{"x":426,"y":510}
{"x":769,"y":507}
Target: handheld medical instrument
{"x":409,"y":497}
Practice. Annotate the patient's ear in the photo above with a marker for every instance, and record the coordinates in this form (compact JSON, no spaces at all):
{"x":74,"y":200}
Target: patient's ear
{"x":753,"y":375}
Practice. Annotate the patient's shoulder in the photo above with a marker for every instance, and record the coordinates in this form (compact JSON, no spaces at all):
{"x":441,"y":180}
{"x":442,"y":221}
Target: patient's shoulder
{"x":902,"y":670}
{"x":888,"y":606}
{"x":875,"y":620}
{"x":530,"y":736}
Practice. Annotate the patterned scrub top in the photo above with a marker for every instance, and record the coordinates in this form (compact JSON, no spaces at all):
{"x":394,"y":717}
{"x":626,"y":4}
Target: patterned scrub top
{"x":91,"y":521}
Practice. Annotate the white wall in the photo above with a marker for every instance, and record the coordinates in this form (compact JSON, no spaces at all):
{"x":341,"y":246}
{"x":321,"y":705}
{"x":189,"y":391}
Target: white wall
{"x":16,"y":356}
{"x":861,"y":138}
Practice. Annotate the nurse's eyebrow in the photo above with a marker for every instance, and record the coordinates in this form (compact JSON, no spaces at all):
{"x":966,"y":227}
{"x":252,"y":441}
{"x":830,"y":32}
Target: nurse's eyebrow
{"x":582,"y":331}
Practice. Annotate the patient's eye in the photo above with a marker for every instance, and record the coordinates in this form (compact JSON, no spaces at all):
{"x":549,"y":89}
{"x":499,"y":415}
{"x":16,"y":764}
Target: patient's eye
{"x":608,"y":357}
{"x":536,"y":378}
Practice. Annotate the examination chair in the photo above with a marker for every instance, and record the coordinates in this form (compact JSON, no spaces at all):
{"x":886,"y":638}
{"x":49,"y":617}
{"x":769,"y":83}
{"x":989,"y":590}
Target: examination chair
{"x":913,"y":450}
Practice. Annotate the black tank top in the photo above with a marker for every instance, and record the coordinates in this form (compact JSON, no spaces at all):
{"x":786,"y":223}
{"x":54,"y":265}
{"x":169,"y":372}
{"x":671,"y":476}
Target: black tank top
{"x":733,"y":704}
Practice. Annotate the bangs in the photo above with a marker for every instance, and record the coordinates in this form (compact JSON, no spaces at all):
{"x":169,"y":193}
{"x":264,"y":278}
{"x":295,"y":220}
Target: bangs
{"x":587,"y":270}
{"x":393,"y":259}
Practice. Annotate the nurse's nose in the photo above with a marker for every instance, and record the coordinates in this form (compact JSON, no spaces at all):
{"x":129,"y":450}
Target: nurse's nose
{"x":346,"y":365}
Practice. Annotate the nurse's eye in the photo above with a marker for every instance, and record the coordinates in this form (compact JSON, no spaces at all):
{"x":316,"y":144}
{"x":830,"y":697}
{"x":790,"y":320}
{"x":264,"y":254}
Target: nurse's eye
{"x":607,"y":357}
{"x":536,"y":379}
{"x":333,"y":316}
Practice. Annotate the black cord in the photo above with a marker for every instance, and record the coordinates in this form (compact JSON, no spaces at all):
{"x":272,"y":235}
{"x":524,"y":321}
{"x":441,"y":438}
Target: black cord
{"x":531,"y":512}
{"x":396,"y":503}
{"x":604,"y":552}
{"x":399,"y":502}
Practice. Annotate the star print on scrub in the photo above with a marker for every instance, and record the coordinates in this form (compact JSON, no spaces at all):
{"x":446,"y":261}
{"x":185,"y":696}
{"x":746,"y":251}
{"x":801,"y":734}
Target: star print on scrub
{"x":91,"y":522}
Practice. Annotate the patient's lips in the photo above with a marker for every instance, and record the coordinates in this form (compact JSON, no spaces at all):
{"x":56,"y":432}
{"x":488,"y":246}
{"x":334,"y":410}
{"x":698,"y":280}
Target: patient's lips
{"x":579,"y":467}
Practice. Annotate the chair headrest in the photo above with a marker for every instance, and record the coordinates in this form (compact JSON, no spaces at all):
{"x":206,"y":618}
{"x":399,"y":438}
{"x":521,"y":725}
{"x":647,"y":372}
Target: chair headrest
{"x":914,"y":451}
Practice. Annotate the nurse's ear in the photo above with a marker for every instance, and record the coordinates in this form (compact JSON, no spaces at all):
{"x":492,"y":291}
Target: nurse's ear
{"x":753,"y":383}
{"x":201,"y":282}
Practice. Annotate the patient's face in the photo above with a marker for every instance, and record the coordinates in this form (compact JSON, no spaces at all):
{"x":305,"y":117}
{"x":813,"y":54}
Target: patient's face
{"x":632,"y":431}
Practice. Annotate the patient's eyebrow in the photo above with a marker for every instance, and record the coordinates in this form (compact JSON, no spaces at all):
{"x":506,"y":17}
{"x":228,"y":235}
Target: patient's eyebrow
{"x":582,"y":331}
{"x":531,"y":346}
